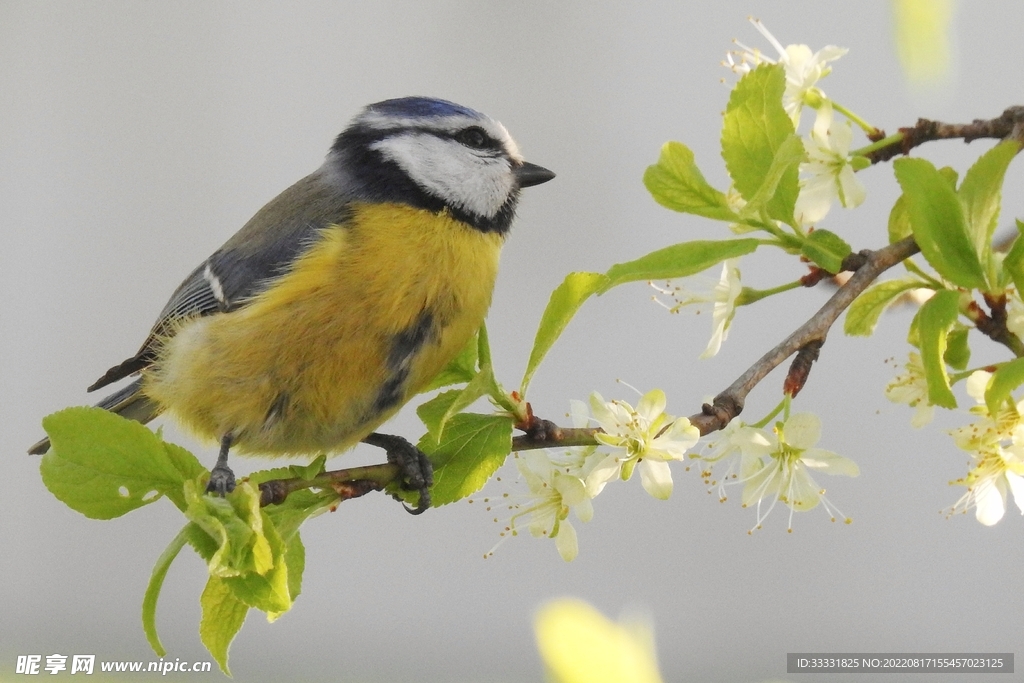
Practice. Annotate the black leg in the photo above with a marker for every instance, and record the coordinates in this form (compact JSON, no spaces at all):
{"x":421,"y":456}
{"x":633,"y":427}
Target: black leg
{"x":419,"y":473}
{"x":222,"y":479}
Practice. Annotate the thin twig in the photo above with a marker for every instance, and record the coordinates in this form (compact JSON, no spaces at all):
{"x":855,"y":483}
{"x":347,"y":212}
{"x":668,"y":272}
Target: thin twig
{"x":729,"y":403}
{"x":1009,"y":124}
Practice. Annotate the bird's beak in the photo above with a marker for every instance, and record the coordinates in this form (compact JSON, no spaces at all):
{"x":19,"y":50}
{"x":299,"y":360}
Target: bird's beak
{"x":528,"y":175}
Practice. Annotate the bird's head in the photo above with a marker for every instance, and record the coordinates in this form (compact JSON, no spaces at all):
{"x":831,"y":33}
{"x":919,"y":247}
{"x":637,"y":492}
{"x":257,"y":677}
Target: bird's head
{"x":434,"y":154}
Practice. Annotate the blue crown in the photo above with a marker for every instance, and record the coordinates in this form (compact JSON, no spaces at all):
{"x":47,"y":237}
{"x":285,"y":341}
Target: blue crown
{"x":422,"y":107}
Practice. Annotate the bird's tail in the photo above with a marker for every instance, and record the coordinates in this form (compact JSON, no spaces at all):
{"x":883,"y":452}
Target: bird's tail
{"x":127,"y":402}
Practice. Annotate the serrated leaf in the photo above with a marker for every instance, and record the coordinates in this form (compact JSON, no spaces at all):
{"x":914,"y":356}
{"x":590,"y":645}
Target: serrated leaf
{"x":565,"y":300}
{"x":678,"y":260}
{"x":1004,"y":380}
{"x":776,"y":192}
{"x":899,"y":221}
{"x":481,"y":385}
{"x":471,"y":449}
{"x":223,"y":616}
{"x":755,"y":127}
{"x":235,"y":523}
{"x":433,"y":411}
{"x":249,"y":552}
{"x":826,"y":249}
{"x":935,"y":318}
{"x":981,"y":194}
{"x":676,"y":183}
{"x":103,"y":465}
{"x":866,"y":309}
{"x":938,"y":223}
{"x":266,"y":592}
{"x":299,"y":506}
{"x":958,"y":350}
{"x":950,"y":175}
{"x":295,"y":560}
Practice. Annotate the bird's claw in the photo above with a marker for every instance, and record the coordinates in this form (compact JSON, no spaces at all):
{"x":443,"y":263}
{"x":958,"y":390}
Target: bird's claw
{"x":222,"y":481}
{"x":417,"y":470}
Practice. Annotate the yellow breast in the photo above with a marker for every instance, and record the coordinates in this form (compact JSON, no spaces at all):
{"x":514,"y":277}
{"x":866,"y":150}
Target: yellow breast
{"x":363,"y":321}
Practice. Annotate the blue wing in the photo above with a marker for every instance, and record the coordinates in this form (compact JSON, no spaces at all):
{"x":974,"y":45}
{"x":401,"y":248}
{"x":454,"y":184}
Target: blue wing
{"x":248,"y":263}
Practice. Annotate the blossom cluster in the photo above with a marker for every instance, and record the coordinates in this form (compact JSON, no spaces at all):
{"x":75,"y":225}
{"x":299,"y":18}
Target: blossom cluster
{"x":643,"y":439}
{"x":828,"y":172}
{"x":829,"y":168}
{"x":994,"y":442}
{"x":772,"y":466}
{"x":775,"y":466}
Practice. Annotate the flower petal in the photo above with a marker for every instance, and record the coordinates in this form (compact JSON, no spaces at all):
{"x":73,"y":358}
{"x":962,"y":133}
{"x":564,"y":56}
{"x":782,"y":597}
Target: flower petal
{"x":565,"y":541}
{"x":977,"y":383}
{"x":599,"y":469}
{"x":990,"y":503}
{"x":762,"y":480}
{"x":656,"y":477}
{"x":828,"y":462}
{"x":800,"y":491}
{"x":1016,"y":483}
{"x":802,"y":430}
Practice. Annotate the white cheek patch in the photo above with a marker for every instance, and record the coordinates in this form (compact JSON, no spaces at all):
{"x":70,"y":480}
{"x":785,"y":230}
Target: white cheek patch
{"x":472,"y":180}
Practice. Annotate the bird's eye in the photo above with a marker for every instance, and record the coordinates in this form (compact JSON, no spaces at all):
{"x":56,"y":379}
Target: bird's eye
{"x":473,"y":137}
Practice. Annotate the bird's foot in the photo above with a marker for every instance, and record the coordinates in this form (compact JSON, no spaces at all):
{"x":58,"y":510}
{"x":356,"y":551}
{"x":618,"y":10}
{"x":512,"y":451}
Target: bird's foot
{"x":417,"y":470}
{"x":222,"y":481}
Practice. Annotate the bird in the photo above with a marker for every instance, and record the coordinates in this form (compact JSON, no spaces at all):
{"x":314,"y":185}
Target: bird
{"x":340,"y":299}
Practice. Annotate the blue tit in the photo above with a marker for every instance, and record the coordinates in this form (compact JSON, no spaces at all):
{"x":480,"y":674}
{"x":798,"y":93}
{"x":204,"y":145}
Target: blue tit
{"x":342,"y":298}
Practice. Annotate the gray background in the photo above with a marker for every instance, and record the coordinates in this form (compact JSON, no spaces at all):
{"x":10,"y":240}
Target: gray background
{"x":136,"y":137}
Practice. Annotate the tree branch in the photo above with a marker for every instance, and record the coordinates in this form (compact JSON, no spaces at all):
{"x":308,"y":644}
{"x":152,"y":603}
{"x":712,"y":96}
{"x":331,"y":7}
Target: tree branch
{"x":807,"y":339}
{"x":1009,"y":124}
{"x":729,"y":403}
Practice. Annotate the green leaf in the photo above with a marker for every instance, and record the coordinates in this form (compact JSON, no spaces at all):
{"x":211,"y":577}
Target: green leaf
{"x":678,"y":260}
{"x":826,"y":249}
{"x":492,"y":388}
{"x":471,"y":449}
{"x":156,"y":582}
{"x":938,"y":223}
{"x":235,"y":523}
{"x":223,"y":616}
{"x":562,"y":306}
{"x":958,"y":351}
{"x":1002,"y":383}
{"x":755,"y":128}
{"x":295,"y":560}
{"x":483,"y":383}
{"x":935,"y":318}
{"x":433,"y":412}
{"x":866,"y":309}
{"x":249,"y":552}
{"x":459,"y":370}
{"x":899,"y":221}
{"x":981,"y":194}
{"x":299,"y":506}
{"x":1013,"y":263}
{"x":776,"y":193}
{"x":104,"y":465}
{"x":267,"y":592}
{"x":676,"y":183}
{"x":950,"y":175}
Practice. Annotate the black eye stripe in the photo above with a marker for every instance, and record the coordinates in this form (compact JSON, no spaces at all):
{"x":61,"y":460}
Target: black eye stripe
{"x":475,"y":137}
{"x":488,"y":143}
